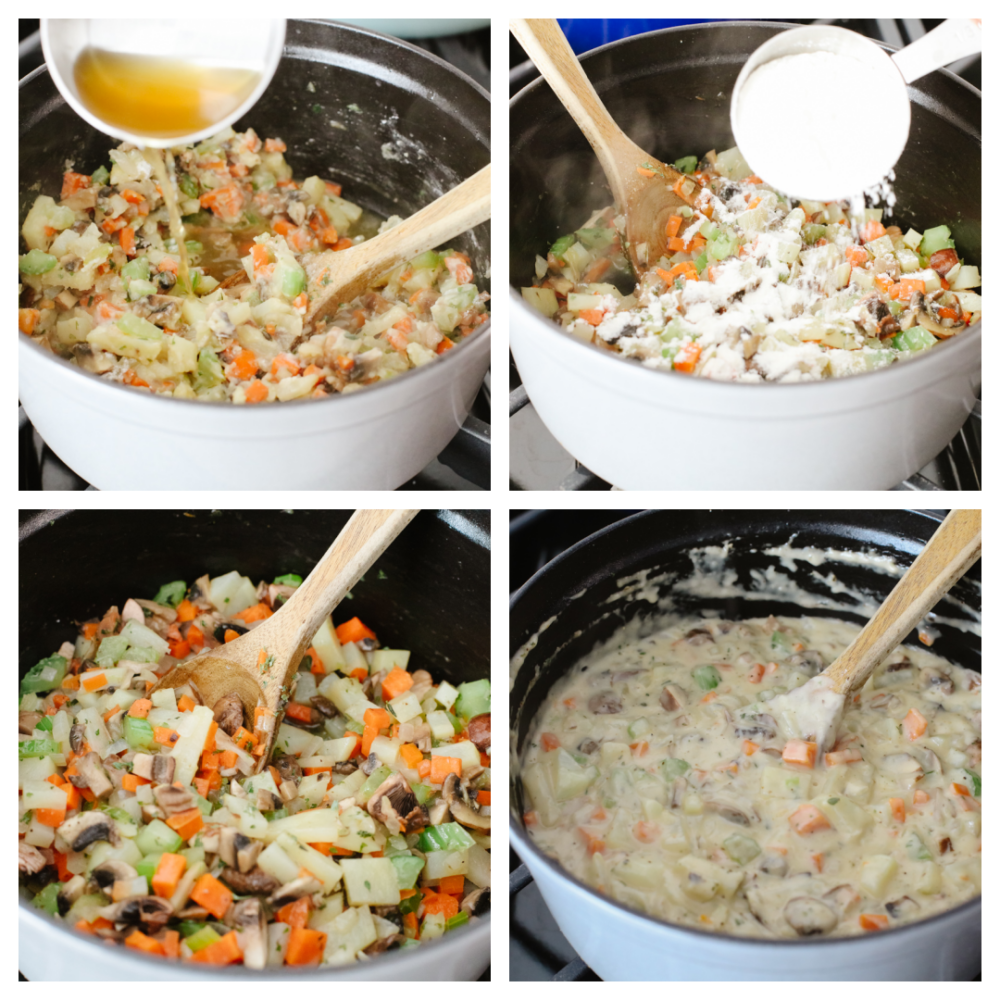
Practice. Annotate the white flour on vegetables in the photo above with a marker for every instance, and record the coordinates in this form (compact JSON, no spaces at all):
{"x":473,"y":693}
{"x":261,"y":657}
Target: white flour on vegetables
{"x":656,"y":774}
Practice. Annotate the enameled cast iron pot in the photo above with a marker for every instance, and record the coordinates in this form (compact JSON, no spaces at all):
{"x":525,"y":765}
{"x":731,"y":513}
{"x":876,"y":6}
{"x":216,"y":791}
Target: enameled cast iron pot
{"x":437,"y":122}
{"x":76,"y":564}
{"x":670,"y":91}
{"x":619,"y":943}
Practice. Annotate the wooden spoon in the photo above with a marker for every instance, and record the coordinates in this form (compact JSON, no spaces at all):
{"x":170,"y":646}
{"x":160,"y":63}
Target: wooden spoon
{"x":642,"y":186}
{"x":813,"y":711}
{"x":286,"y":635}
{"x":350,"y":272}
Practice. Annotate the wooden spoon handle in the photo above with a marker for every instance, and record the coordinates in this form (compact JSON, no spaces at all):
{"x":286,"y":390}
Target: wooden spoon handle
{"x":952,"y":550}
{"x":463,"y":208}
{"x":545,"y":43}
{"x":364,"y":538}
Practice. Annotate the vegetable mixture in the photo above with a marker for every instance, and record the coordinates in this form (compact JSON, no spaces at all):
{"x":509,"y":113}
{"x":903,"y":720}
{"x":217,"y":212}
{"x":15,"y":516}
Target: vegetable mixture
{"x":100,"y":281}
{"x":656,"y":774}
{"x":757,"y":287}
{"x":141,"y":820}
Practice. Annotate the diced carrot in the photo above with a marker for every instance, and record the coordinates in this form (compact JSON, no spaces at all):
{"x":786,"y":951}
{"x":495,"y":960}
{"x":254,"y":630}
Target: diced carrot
{"x":920,"y":796}
{"x":452,"y":885}
{"x":73,"y":796}
{"x":304,"y":947}
{"x":914,"y":725}
{"x":750,"y":748}
{"x":593,"y":844}
{"x":550,"y":741}
{"x":244,"y":739}
{"x":72,"y":183}
{"x":52,"y":817}
{"x":196,"y":637}
{"x":108,"y":715}
{"x":378,"y":718}
{"x":357,"y":745}
{"x":243,"y":368}
{"x":710,"y":697}
{"x":274,"y":146}
{"x":89,"y":629}
{"x":213,"y":728}
{"x":226,"y":202}
{"x":873,"y":921}
{"x":440,"y":902}
{"x":756,"y":674}
{"x":898,"y":810}
{"x":209,"y":892}
{"x":112,"y":225}
{"x":258,"y":254}
{"x":285,"y":361}
{"x":141,"y":942}
{"x":395,"y":683}
{"x":27,"y":319}
{"x":675,"y":244}
{"x":639,"y":749}
{"x":956,"y":789}
{"x":225,"y":951}
{"x":132,"y":197}
{"x":842,"y":757}
{"x":531,"y":818}
{"x":483,"y":797}
{"x":799,"y":752}
{"x":808,"y":819}
{"x":186,"y":703}
{"x":171,"y":942}
{"x":674,"y":225}
{"x":858,"y":256}
{"x":92,"y":681}
{"x":645,"y":172}
{"x":354,"y":631}
{"x":166,"y":736}
{"x":411,"y":755}
{"x":171,"y":265}
{"x":907,"y":286}
{"x":186,"y":823}
{"x":179,"y":648}
{"x":344,"y":243}
{"x":71,"y":683}
{"x":228,"y":759}
{"x":592,"y":316}
{"x":685,"y":360}
{"x":441,"y":767}
{"x":130,"y":782}
{"x":168,"y":873}
{"x":126,"y":238}
{"x":295,"y":914}
{"x":872,"y":230}
{"x":62,"y":871}
{"x":645,"y":833}
{"x":256,"y":613}
{"x":597,"y":270}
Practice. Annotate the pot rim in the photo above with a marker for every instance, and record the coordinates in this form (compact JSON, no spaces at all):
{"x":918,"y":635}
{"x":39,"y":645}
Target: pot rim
{"x":525,"y":846}
{"x":518,"y":305}
{"x":156,"y":400}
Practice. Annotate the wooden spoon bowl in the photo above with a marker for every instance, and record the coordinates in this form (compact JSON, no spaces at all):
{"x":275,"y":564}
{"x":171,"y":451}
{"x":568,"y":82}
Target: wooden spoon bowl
{"x":259,"y":665}
{"x":645,"y":190}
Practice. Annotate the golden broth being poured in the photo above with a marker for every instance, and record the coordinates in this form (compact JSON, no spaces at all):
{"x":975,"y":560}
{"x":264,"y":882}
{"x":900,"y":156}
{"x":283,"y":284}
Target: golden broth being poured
{"x":157,"y":97}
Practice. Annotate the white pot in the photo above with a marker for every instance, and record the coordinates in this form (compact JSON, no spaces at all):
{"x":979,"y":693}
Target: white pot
{"x":51,"y":952}
{"x":120,"y":438}
{"x":644,"y":429}
{"x":619,"y":944}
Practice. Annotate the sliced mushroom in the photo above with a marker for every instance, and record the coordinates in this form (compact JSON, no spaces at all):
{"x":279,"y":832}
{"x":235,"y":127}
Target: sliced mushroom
{"x":757,"y":727}
{"x":739,"y":814}
{"x":678,"y":792}
{"x":937,"y":680}
{"x":288,"y":767}
{"x":248,"y":917}
{"x":90,"y":769}
{"x":225,"y":626}
{"x":698,"y":637}
{"x":900,"y":763}
{"x":173,"y":800}
{"x":414,"y":731}
{"x":69,"y":893}
{"x":944,"y":845}
{"x":306,"y":885}
{"x":246,"y":883}
{"x":942,"y":332}
{"x":344,"y":767}
{"x":228,"y":713}
{"x":104,"y":876}
{"x":194,"y":913}
{"x":974,"y":751}
{"x":809,"y":916}
{"x":588,"y":746}
{"x":605,"y":703}
{"x":672,"y":698}
{"x":394,"y":804}
{"x":884,"y":701}
{"x":278,"y":593}
{"x":30,"y":860}
{"x":142,"y":765}
{"x":237,"y":850}
{"x":26,"y":722}
{"x":438,"y":812}
{"x":387,"y":943}
{"x":87,"y":828}
{"x":163,"y":769}
{"x":323,"y":705}
{"x":477,"y":903}
{"x":811,"y":659}
{"x":904,"y":908}
{"x":479,"y":731}
{"x":842,"y":897}
{"x":370,"y":763}
{"x":267,"y":801}
{"x":289,"y":790}
{"x":460,"y":806}
{"x":148,"y":913}
{"x":77,"y":737}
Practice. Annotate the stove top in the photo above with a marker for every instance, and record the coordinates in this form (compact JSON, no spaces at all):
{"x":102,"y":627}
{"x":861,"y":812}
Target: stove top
{"x":538,"y":461}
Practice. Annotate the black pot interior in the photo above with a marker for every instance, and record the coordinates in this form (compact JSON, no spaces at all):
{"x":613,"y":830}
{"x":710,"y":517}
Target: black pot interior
{"x":670,"y":90}
{"x":76,"y":564}
{"x":436,"y":120}
{"x":660,"y":541}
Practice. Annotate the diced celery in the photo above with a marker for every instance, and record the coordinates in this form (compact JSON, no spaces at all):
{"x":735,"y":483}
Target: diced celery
{"x":408,"y":868}
{"x":45,"y":675}
{"x":686,"y":164}
{"x":730,"y":163}
{"x":375,"y":779}
{"x":110,"y":651}
{"x":706,"y":677}
{"x":740,"y":848}
{"x":140,"y":635}
{"x":291,"y":579}
{"x":202,"y":938}
{"x":171,"y":593}
{"x":473,"y":699}
{"x":209,"y":371}
{"x":46,"y":899}
{"x":674,"y":767}
{"x":917,"y":849}
{"x":937,"y":238}
{"x":595,"y":239}
{"x":639,"y":729}
{"x":445,"y":837}
{"x":157,"y":837}
{"x":811,"y":232}
{"x":36,"y":262}
{"x":147,"y":867}
{"x":914,"y":339}
{"x":562,"y":244}
{"x":137,"y":268}
{"x":139,"y":289}
{"x":100,"y":176}
{"x":451,"y":923}
{"x":37,"y":748}
{"x":138,"y":733}
{"x":136,"y":326}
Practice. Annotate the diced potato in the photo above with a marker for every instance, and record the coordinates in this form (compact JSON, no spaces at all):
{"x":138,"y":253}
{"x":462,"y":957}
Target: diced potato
{"x":405,"y":707}
{"x":350,"y":932}
{"x":441,"y":864}
{"x":702,"y":879}
{"x":468,"y":753}
{"x":876,"y":874}
{"x":784,"y":784}
{"x":641,"y":872}
{"x":928,"y":878}
{"x":541,"y":299}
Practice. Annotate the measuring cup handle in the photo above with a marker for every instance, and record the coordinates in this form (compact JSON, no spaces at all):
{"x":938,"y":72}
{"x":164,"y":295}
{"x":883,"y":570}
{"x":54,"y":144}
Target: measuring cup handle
{"x":950,"y":40}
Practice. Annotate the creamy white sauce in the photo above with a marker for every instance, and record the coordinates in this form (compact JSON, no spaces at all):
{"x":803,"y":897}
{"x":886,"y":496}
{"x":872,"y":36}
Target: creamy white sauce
{"x":657,"y":773}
